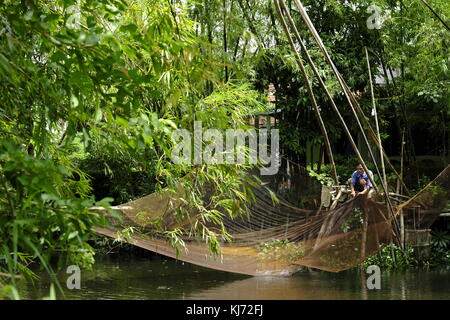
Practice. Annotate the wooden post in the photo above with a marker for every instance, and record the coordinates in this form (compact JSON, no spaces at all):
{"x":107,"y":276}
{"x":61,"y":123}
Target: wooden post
{"x":364,"y":235}
{"x":402,"y":218}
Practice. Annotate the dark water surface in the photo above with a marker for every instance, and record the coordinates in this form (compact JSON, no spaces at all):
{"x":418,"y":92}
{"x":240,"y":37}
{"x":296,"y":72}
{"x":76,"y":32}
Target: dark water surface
{"x":157,"y":277}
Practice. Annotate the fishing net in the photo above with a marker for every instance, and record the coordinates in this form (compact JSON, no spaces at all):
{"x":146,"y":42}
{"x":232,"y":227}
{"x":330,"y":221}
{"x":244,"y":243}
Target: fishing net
{"x":279,"y":238}
{"x":424,"y":208}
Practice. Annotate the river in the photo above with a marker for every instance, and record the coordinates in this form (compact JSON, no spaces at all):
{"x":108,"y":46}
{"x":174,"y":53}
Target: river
{"x":156,"y":277}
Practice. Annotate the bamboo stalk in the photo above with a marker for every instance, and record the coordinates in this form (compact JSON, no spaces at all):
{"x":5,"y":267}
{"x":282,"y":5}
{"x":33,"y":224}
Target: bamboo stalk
{"x":305,"y":50}
{"x":341,"y":81}
{"x":335,"y":202}
{"x":348,"y":94}
{"x":436,"y":14}
{"x":303,"y":47}
{"x":384,"y":179}
{"x":316,"y":36}
{"x":310,"y":94}
{"x":402,"y":218}
{"x":364,"y":235}
{"x":375,"y":140}
{"x":376,"y":119}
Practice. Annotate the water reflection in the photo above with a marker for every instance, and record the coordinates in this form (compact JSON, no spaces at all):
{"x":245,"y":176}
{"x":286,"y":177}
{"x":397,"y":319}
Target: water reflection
{"x":161,"y":278}
{"x":346,"y":285}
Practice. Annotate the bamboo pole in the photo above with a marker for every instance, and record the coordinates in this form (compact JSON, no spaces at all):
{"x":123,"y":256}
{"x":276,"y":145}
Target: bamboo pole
{"x":347,"y":93}
{"x":304,"y":49}
{"x":364,"y":236}
{"x":384,"y":180}
{"x":316,"y":36}
{"x":341,"y":81}
{"x":311,"y":95}
{"x":7,"y":275}
{"x":402,"y":218}
{"x":396,"y":227}
{"x":375,"y":140}
{"x":436,"y":14}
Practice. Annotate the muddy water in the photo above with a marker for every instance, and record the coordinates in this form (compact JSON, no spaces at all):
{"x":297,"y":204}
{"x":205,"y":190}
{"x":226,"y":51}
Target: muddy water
{"x":157,"y":277}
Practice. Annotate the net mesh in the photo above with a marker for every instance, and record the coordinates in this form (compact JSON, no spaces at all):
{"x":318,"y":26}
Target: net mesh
{"x":279,"y":238}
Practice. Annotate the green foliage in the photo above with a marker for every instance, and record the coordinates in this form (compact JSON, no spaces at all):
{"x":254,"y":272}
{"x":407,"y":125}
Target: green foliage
{"x":93,"y":89}
{"x":353,"y":221}
{"x":8,"y":292}
{"x":344,"y":169}
{"x":391,"y":256}
{"x":281,"y":250}
{"x":323,"y":177}
{"x":118,"y":173}
{"x":439,"y":257}
{"x":440,"y":238}
{"x":42,"y":212}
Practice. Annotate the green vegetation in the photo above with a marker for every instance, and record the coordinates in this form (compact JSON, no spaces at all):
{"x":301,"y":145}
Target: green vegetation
{"x":392,"y":257}
{"x":343,"y":253}
{"x":90,"y":91}
{"x":281,"y":250}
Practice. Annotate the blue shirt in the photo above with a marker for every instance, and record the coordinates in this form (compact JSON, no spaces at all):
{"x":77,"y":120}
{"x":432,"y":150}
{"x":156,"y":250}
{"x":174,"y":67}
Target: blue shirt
{"x":356,"y":176}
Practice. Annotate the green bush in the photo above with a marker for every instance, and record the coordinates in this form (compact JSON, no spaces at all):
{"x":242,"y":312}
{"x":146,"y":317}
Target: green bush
{"x":44,"y":212}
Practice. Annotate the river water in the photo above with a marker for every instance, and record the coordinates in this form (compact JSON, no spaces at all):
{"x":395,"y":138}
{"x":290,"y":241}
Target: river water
{"x":156,"y":277}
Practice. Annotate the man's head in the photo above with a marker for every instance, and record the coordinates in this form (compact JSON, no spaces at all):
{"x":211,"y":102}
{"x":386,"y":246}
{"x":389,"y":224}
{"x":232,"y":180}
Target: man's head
{"x":359,"y":168}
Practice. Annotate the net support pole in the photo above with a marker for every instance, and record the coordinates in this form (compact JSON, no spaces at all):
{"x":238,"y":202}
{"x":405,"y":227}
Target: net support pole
{"x":348,"y":95}
{"x":310,"y":94}
{"x":303,"y":47}
{"x":384,"y":180}
{"x":402,"y":217}
{"x":351,"y":99}
{"x":324,"y":51}
{"x":374,"y":138}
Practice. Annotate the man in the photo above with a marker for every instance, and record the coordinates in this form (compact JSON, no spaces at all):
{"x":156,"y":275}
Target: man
{"x":360,"y":182}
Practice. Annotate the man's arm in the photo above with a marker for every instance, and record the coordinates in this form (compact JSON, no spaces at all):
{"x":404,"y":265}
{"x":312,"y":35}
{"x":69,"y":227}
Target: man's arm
{"x":366,"y":190}
{"x":368,"y":184}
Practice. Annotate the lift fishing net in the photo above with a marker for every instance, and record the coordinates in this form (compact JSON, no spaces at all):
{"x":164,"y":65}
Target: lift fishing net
{"x":280,"y":238}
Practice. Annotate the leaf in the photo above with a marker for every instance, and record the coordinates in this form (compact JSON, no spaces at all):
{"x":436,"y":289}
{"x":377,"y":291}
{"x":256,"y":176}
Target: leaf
{"x":72,"y":235}
{"x":116,"y":214}
{"x":49,"y":197}
{"x":81,"y":80}
{"x":28,"y":15}
{"x":130,"y":28}
{"x":52,"y":295}
{"x":121,"y":121}
{"x":73,"y":101}
{"x":169,"y":122}
{"x":98,"y":115}
{"x":4,"y":63}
